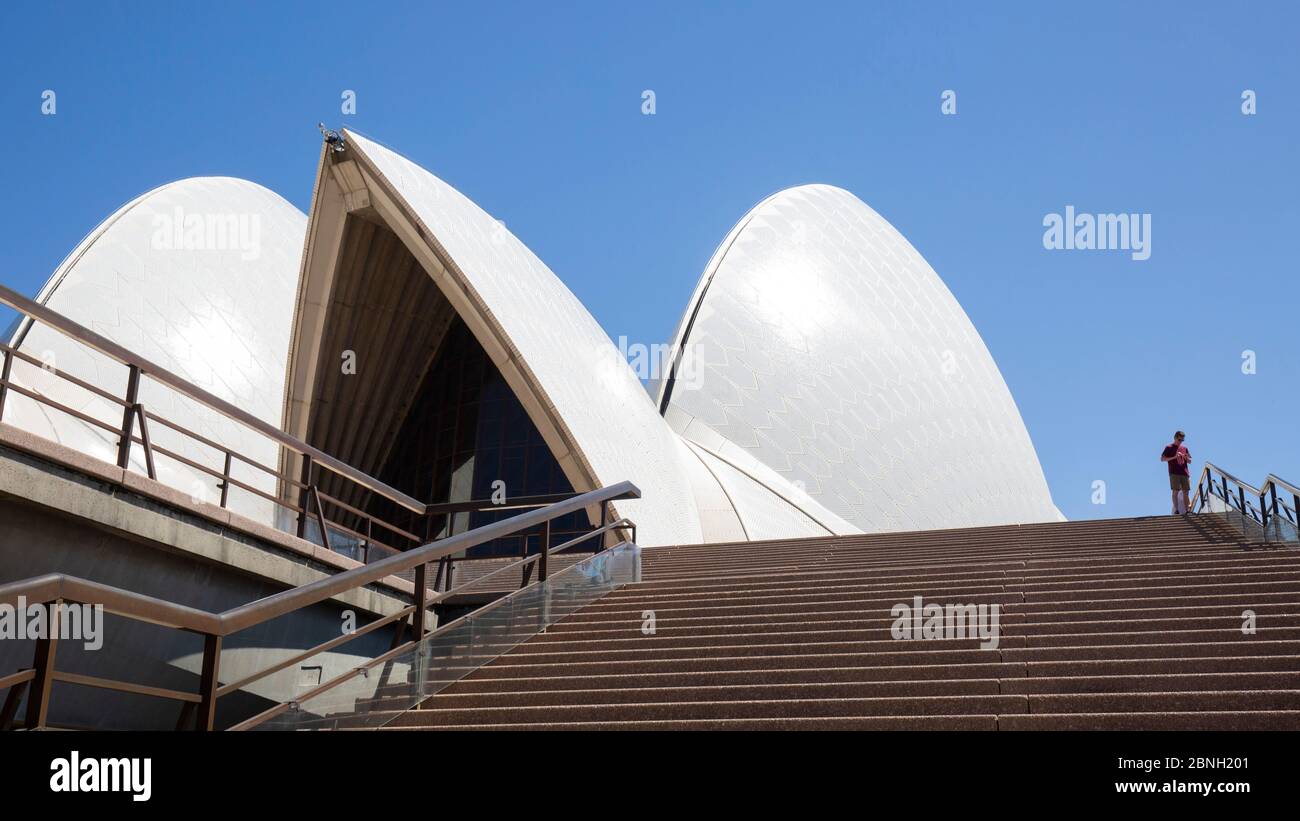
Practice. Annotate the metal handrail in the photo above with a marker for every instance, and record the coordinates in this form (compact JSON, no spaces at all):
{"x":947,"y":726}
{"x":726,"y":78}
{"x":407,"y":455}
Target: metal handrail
{"x":525,"y":563}
{"x":488,"y":505}
{"x":395,"y":652}
{"x":256,"y":612}
{"x":67,"y":327}
{"x":310,"y":502}
{"x":1211,"y":467}
{"x":1262,"y":505}
{"x":52,"y":586}
{"x":1277,"y":481}
{"x":135,"y":412}
{"x":57,"y":587}
{"x":535,"y":558}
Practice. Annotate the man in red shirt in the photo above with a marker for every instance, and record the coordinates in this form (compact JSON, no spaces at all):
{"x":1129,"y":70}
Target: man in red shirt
{"x":1180,"y":475}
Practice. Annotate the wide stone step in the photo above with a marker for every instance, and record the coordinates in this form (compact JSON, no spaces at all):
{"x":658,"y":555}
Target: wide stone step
{"x":1119,"y":624}
{"x":1223,"y":682}
{"x":1008,"y":672}
{"x":813,"y":708}
{"x":1117,"y":721}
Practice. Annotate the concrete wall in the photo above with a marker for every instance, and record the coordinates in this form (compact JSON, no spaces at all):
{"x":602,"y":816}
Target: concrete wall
{"x":56,"y":520}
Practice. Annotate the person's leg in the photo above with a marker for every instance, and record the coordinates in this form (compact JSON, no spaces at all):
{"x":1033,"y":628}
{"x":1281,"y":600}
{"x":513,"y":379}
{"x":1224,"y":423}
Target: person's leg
{"x":1174,"y":496}
{"x":1180,"y":485}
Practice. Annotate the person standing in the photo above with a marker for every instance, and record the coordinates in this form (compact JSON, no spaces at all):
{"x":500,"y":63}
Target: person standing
{"x":1179,"y":460}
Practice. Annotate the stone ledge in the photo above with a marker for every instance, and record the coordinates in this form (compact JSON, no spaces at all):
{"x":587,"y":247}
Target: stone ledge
{"x":85,"y":501}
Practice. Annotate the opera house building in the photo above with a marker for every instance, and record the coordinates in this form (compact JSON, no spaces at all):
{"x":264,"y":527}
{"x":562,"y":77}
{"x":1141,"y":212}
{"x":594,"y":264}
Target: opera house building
{"x":823,"y":380}
{"x":238,"y":428}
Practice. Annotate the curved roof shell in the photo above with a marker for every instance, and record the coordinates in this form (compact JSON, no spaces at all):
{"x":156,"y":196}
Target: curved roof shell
{"x":572,"y":379}
{"x":821,"y":344}
{"x":827,"y":383}
{"x":198,"y":276}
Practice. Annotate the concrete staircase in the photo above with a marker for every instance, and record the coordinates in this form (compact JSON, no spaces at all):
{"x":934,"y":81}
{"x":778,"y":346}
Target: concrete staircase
{"x":1121,"y":624}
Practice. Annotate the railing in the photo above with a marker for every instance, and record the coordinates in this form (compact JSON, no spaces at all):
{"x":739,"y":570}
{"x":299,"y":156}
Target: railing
{"x":1264,"y":508}
{"x":136,"y":421}
{"x":375,"y":693}
{"x":447,"y":567}
{"x":200,"y":707}
{"x":300,"y":494}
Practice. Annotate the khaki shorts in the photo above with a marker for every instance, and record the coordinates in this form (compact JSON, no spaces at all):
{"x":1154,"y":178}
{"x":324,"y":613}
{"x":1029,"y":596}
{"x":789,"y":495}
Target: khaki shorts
{"x":1178,"y":481}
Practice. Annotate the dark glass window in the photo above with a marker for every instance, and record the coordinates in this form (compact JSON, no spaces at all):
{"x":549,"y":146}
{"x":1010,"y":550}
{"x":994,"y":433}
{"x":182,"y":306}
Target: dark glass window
{"x":465,"y":431}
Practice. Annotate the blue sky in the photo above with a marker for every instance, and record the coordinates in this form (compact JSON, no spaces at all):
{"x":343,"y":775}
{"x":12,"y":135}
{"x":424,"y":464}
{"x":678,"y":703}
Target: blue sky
{"x":534,"y":111}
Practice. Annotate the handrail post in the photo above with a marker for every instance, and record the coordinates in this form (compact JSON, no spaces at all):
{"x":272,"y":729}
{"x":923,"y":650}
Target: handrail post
{"x":546,"y":551}
{"x":128,"y":418}
{"x":526,"y":571}
{"x":207,"y":711}
{"x":5,"y":370}
{"x":604,"y":520}
{"x":225,"y":480}
{"x":303,"y":495}
{"x":421,"y":597}
{"x":38,"y":694}
{"x":1272,"y":491}
{"x":1241,"y":500}
{"x":148,"y":446}
{"x":10,"y":708}
{"x":320,"y":518}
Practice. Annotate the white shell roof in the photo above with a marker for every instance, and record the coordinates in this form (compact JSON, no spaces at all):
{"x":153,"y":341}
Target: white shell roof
{"x":831,"y":382}
{"x":199,"y":276}
{"x":768,"y":505}
{"x":612,"y":422}
{"x":822,"y":345}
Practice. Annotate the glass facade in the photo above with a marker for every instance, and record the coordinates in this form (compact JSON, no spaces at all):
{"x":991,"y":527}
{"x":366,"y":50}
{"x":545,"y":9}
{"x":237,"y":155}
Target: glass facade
{"x":465,"y":431}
